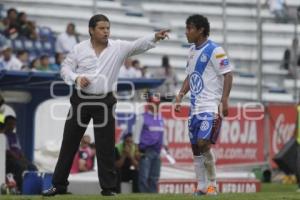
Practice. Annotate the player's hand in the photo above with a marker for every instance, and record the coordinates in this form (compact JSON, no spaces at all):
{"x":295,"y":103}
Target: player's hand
{"x":178,"y":103}
{"x":223,"y":108}
{"x":162,"y":34}
{"x":82,"y":81}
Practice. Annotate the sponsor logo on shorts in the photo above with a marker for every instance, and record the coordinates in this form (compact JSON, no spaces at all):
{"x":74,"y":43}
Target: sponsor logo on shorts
{"x":204,"y":126}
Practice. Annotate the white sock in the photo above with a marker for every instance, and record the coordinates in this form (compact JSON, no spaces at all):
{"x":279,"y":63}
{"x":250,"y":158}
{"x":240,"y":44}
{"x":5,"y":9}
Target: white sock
{"x":210,"y":166}
{"x":200,"y":172}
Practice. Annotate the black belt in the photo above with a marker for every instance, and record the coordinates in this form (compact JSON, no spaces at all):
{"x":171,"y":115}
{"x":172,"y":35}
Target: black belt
{"x":101,"y":94}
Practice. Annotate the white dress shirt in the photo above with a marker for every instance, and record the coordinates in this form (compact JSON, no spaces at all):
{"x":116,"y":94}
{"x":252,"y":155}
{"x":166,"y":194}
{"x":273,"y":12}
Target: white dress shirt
{"x":127,"y":72}
{"x":102,"y":71}
{"x":12,"y":64}
{"x":65,"y":43}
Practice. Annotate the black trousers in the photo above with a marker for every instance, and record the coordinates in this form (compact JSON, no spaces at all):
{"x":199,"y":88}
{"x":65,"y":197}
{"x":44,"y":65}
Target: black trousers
{"x":83,"y":109}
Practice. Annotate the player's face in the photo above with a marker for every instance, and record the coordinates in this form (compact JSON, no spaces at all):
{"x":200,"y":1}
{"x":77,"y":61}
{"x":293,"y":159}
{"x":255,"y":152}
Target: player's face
{"x":101,"y":32}
{"x":192,"y":33}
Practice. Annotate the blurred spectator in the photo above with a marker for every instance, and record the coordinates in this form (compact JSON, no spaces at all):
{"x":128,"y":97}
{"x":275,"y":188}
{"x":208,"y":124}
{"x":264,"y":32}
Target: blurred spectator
{"x":84,"y":158}
{"x":2,"y":109}
{"x":145,"y":73}
{"x":26,"y":28}
{"x":167,"y":90}
{"x":137,"y":67}
{"x":23,"y":56}
{"x":8,"y":61}
{"x":66,"y":41}
{"x":149,"y":137}
{"x":16,"y":162}
{"x":279,"y":9}
{"x":126,"y":163}
{"x":44,"y":63}
{"x":59,"y":57}
{"x":34,"y":64}
{"x":286,"y":61}
{"x":127,"y":71}
{"x":289,"y":57}
{"x":10,"y":23}
{"x":33,"y":35}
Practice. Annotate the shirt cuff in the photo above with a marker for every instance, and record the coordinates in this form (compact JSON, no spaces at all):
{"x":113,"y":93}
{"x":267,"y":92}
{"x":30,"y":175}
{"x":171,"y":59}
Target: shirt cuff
{"x":73,"y":77}
{"x":151,"y":39}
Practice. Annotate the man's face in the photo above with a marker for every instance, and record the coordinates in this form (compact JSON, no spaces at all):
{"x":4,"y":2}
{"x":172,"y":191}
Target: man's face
{"x":45,"y":61}
{"x":7,"y":53}
{"x":70,"y":29}
{"x":101,"y":32}
{"x":129,"y":141}
{"x":192,"y":33}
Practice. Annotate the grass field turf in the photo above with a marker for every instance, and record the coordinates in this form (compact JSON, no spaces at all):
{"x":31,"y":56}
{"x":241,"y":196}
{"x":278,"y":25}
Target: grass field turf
{"x":269,"y":191}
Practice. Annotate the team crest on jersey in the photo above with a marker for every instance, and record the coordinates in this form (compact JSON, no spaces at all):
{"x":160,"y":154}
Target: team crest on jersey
{"x":196,"y":83}
{"x":204,"y":126}
{"x":203,"y":58}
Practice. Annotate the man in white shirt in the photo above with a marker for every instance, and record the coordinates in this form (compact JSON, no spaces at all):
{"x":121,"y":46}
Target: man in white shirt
{"x":93,"y":66}
{"x":8,"y":61}
{"x":67,"y":40}
{"x":127,"y":71}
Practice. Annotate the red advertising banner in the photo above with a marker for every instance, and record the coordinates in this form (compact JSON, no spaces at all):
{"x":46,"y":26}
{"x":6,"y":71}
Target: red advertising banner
{"x":224,"y":186}
{"x":282,"y":123}
{"x":241,"y":138}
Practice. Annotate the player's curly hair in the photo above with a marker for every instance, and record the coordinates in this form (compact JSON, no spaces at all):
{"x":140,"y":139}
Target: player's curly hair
{"x":199,"y":21}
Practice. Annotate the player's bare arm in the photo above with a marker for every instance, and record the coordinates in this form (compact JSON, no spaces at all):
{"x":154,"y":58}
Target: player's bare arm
{"x":184,"y":89}
{"x":223,"y":107}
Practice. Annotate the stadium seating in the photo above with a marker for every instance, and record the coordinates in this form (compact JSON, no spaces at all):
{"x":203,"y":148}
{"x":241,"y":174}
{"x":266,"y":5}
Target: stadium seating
{"x":134,"y":18}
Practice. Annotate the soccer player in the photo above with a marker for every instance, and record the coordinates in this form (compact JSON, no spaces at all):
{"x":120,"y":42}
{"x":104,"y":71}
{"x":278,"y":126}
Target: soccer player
{"x":209,"y":80}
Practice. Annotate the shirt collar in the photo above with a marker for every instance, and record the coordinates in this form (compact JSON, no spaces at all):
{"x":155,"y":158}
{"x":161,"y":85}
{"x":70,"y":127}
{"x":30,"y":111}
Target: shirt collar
{"x":202,"y":45}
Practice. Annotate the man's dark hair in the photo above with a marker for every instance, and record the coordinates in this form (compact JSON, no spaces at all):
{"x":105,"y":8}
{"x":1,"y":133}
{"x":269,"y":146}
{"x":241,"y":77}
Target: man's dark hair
{"x":125,"y":136}
{"x":44,"y":56}
{"x":135,"y":62}
{"x":199,"y":21}
{"x":11,"y":10}
{"x":97,"y":18}
{"x":21,"y":52}
{"x":71,"y":24}
{"x":8,"y":118}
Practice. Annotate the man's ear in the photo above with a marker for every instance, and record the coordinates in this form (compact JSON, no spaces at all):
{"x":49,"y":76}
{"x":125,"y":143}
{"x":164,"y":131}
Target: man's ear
{"x":201,"y":30}
{"x":91,"y":31}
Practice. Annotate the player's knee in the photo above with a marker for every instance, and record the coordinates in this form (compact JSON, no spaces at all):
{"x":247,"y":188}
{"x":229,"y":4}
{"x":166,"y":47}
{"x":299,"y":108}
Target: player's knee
{"x":203,"y":146}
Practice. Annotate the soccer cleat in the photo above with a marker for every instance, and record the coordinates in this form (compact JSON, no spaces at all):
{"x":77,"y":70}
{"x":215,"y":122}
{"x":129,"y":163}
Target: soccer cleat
{"x":108,"y":193}
{"x":211,"y":190}
{"x":199,"y":193}
{"x":53,"y":191}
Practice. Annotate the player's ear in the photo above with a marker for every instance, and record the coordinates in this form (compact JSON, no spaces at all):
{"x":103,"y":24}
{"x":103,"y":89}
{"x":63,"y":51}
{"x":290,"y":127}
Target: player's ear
{"x":201,"y":30}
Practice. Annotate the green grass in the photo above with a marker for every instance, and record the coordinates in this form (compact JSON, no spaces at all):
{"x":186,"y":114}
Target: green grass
{"x":269,"y":191}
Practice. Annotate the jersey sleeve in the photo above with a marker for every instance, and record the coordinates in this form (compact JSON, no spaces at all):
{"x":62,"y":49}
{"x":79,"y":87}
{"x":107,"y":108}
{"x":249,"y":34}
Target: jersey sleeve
{"x":220,"y":61}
